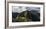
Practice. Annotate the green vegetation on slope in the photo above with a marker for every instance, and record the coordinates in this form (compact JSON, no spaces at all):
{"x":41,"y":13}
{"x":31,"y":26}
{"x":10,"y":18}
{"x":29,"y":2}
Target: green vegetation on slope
{"x":22,"y":17}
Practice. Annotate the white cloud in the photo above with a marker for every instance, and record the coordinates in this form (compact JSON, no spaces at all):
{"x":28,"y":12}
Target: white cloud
{"x":19,"y":10}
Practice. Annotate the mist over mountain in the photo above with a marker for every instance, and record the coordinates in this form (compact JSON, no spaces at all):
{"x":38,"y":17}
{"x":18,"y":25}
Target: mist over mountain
{"x":22,"y":8}
{"x":33,"y":13}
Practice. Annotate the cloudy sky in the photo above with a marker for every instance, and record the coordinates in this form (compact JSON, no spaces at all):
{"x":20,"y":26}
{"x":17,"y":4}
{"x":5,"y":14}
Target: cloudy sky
{"x":20,"y":9}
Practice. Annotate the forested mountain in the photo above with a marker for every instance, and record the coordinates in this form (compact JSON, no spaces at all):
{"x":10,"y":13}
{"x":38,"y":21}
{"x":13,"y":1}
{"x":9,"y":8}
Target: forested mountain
{"x":26,"y":16}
